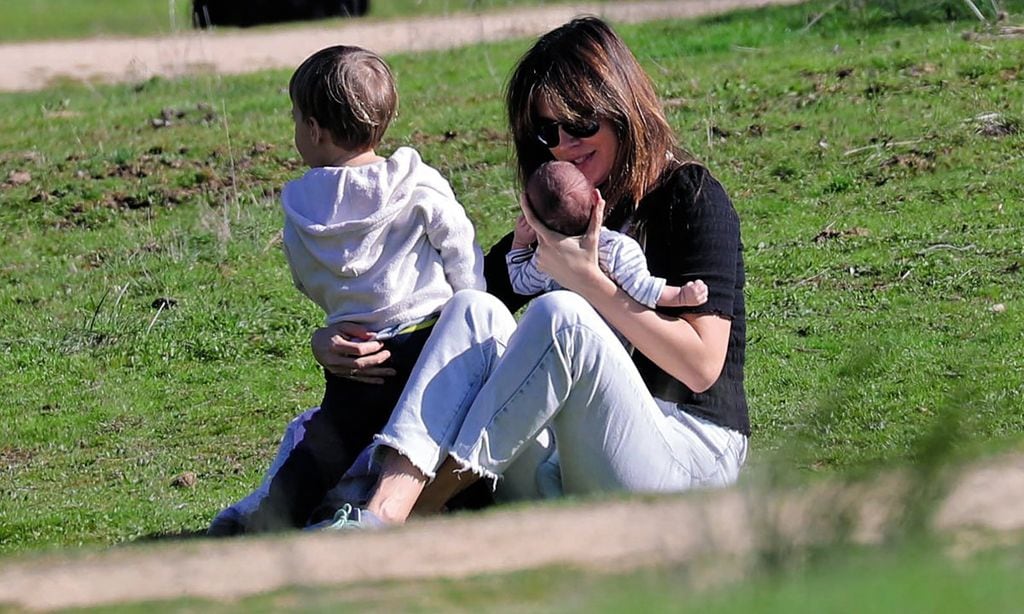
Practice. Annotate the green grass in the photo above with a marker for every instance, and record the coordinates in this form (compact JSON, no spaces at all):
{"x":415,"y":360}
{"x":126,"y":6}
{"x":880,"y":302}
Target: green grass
{"x":57,"y":19}
{"x":873,"y":273}
{"x":48,"y":19}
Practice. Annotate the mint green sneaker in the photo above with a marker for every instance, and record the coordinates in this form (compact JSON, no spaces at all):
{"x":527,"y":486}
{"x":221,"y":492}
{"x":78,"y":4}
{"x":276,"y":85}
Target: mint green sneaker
{"x":349,"y":518}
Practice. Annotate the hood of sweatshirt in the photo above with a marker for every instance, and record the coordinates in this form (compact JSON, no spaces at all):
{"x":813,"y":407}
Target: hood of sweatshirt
{"x":340,"y":213}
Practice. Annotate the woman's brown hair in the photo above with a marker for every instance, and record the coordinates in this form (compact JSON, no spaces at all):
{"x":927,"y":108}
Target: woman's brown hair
{"x":584,"y":71}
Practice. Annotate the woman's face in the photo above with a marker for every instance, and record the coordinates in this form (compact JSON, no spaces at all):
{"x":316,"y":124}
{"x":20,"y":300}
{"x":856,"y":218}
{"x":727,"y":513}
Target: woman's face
{"x":594,"y":155}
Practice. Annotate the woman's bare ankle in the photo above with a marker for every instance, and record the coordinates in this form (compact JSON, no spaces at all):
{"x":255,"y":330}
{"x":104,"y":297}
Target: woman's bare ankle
{"x":390,"y":512}
{"x":398,"y":488}
{"x":451,"y":479}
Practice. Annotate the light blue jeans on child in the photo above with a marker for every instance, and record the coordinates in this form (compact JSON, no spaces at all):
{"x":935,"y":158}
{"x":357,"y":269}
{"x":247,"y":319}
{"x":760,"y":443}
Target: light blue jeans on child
{"x":487,"y":392}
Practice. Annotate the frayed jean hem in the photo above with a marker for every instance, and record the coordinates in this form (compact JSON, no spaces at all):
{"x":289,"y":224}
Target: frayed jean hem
{"x":477,"y":470}
{"x":394,"y":443}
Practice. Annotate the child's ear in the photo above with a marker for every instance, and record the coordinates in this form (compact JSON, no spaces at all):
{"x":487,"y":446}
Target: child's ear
{"x":315,"y":132}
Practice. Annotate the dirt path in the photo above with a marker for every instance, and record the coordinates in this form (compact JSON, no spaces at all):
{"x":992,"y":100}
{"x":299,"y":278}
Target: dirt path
{"x":723,"y":530}
{"x":30,"y":66}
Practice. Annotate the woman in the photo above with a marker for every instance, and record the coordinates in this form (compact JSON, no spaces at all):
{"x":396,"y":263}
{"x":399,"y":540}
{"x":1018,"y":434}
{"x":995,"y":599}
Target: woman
{"x":672,"y":416}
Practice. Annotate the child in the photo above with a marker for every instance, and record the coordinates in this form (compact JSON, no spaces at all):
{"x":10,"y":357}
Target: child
{"x":379,"y":242}
{"x":562,"y":199}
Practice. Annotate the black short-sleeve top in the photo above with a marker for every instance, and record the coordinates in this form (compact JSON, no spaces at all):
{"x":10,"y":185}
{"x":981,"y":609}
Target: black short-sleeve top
{"x":691,"y":231}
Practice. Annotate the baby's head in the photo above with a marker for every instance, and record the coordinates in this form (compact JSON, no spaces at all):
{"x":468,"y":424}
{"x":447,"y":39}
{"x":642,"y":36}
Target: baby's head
{"x":349,"y":91}
{"x":561,"y":197}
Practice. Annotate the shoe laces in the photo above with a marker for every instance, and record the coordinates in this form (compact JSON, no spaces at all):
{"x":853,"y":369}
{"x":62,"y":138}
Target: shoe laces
{"x":343,"y":517}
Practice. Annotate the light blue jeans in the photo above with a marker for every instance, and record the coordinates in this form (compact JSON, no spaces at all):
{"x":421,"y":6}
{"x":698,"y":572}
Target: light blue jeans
{"x":487,"y":392}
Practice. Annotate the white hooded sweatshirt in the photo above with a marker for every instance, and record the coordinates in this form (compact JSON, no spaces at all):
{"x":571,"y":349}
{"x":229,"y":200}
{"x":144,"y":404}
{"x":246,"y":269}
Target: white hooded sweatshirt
{"x":382,"y":245}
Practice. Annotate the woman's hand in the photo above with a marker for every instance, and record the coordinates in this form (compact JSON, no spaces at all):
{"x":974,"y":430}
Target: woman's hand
{"x":571,"y":261}
{"x":348,"y":350}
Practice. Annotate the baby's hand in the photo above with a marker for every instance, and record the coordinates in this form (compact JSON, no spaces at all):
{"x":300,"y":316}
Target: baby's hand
{"x":692,"y":294}
{"x":524,"y":235}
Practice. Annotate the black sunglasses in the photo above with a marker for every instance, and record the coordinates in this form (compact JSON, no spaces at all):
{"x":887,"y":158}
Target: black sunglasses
{"x":547,"y":133}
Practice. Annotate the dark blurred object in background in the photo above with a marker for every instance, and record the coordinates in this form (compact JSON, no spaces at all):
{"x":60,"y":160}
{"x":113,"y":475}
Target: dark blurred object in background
{"x":206,"y":13}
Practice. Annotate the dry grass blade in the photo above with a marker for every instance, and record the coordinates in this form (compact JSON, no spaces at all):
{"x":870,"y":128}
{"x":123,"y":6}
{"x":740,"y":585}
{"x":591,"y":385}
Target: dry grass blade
{"x":881,"y":146}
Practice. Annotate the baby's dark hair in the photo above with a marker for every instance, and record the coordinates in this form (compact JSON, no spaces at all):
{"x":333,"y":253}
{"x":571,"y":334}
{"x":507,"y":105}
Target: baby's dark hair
{"x":561,"y":197}
{"x":351,"y":93}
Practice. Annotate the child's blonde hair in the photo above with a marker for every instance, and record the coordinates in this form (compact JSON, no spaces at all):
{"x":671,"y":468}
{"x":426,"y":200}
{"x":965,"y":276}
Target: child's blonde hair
{"x":350,"y":91}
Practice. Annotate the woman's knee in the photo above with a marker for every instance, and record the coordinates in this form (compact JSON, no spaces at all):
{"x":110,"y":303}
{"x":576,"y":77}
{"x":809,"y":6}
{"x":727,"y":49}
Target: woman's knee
{"x":480,"y":312}
{"x":474,"y":300}
{"x":560,"y":308}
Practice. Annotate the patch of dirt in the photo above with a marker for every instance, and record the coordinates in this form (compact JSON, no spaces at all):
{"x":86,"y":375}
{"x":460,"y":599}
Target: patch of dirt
{"x":13,"y":458}
{"x":34,"y":65}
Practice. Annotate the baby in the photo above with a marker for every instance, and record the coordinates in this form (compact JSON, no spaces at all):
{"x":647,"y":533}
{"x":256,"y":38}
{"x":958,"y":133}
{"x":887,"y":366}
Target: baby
{"x":562,"y":199}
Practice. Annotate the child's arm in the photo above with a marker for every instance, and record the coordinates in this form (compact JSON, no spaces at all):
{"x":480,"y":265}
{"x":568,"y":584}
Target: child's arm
{"x":452,"y":235}
{"x":627,"y":267}
{"x":296,"y":279}
{"x":692,"y":294}
{"x":525,"y":277}
{"x":622,"y":259}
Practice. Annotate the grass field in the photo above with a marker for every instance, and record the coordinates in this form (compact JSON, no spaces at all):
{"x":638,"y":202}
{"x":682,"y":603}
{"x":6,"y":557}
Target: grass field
{"x":57,"y":19}
{"x":150,"y":329}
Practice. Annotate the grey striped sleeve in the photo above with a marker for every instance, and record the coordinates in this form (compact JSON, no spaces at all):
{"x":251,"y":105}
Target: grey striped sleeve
{"x":623,"y":260}
{"x":526,"y":278}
